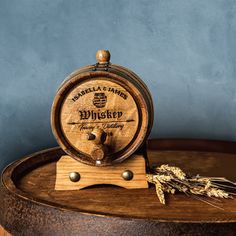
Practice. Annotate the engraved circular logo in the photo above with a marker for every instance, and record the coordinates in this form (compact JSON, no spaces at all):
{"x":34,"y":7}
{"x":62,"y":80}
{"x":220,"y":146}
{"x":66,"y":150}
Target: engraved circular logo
{"x":99,"y":100}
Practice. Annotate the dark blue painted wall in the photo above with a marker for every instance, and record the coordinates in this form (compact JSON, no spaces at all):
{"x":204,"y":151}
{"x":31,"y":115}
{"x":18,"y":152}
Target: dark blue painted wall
{"x":184,"y":50}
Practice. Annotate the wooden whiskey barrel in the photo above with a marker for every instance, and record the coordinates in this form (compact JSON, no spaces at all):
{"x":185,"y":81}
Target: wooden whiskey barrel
{"x":30,"y":205}
{"x":102,"y":113}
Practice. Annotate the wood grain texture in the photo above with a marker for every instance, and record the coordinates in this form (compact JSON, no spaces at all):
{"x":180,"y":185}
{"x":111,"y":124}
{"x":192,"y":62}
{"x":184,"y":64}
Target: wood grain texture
{"x":119,"y":116}
{"x":3,"y":232}
{"x":92,"y":175}
{"x":105,"y":96}
{"x":29,"y":205}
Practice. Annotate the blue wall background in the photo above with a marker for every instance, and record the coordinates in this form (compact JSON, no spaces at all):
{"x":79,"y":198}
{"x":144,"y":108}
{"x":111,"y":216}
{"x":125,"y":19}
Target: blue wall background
{"x":184,"y":50}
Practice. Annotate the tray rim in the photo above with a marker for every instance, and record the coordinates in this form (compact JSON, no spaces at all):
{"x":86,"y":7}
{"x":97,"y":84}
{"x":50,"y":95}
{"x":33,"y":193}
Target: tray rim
{"x":194,"y":145}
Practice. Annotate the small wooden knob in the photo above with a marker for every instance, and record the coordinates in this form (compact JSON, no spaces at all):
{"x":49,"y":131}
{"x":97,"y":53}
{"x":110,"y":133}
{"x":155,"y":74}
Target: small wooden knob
{"x":103,"y":56}
{"x":99,"y":152}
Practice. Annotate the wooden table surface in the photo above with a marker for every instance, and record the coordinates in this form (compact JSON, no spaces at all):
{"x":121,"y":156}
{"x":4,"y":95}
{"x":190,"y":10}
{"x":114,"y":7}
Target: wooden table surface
{"x":32,"y":181}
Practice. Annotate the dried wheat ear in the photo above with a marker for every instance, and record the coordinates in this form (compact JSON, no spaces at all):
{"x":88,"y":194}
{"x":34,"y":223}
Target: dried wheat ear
{"x":170,"y":179}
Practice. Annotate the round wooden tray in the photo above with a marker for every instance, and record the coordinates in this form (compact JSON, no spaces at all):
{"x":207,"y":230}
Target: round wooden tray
{"x":29,"y":205}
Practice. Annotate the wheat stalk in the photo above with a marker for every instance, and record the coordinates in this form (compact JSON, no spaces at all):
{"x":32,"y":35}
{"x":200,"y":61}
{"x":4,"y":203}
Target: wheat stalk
{"x":170,"y":179}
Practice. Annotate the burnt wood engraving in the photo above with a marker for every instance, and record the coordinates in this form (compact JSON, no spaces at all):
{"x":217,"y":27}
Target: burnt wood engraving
{"x":101,"y":116}
{"x":109,"y":98}
{"x":93,"y":115}
{"x":99,"y":100}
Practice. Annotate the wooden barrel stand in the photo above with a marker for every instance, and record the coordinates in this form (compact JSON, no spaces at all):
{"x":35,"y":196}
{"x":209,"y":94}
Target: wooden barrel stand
{"x":29,"y":204}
